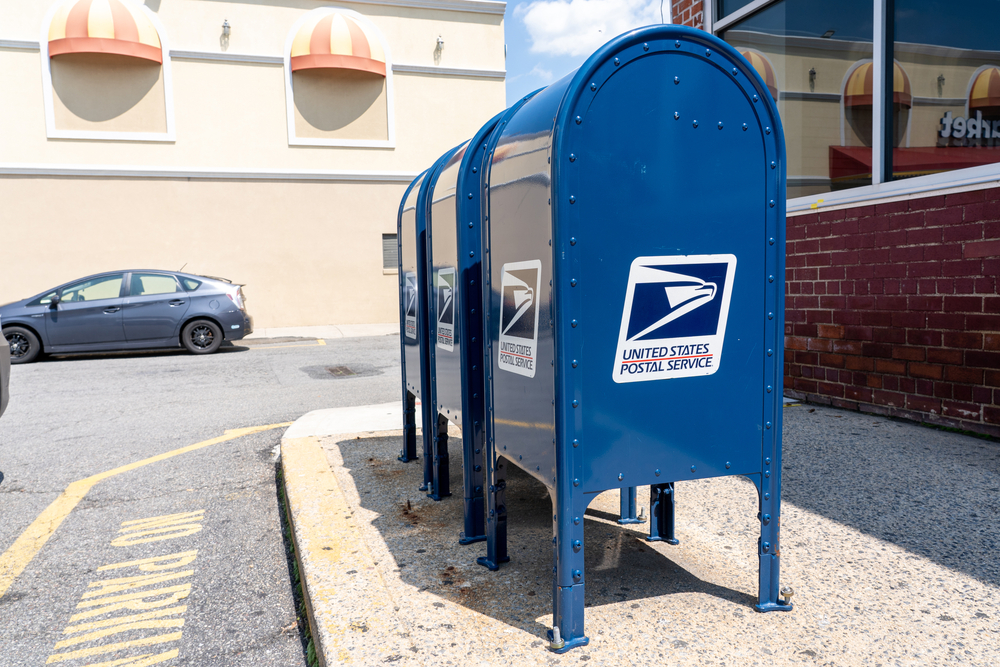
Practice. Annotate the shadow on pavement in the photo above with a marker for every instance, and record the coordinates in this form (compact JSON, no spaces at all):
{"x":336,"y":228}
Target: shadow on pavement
{"x":933,"y":493}
{"x":226,"y":348}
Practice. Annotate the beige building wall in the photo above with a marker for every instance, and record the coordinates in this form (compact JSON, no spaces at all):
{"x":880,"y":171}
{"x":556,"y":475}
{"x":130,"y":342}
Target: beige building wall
{"x":227,"y":194}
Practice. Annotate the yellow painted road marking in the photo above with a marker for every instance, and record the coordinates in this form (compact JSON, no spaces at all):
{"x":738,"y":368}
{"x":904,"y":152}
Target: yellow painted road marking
{"x":111,"y":648}
{"x":16,"y":558}
{"x":319,"y":341}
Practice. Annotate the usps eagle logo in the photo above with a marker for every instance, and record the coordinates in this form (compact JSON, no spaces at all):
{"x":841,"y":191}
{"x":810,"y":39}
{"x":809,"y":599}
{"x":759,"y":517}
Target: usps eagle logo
{"x":519,"y":317}
{"x":674,"y":318}
{"x":446,"y":309}
{"x":410,"y":304}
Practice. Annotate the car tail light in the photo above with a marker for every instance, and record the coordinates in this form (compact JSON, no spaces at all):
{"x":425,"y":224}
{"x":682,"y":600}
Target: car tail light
{"x":236,"y":296}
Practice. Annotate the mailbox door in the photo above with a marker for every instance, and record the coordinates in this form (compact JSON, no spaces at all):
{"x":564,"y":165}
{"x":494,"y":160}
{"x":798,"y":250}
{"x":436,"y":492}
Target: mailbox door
{"x":674,"y":332}
{"x":410,"y":319}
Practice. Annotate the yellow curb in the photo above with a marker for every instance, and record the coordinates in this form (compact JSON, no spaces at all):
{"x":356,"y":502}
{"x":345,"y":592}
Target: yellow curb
{"x":350,"y":610}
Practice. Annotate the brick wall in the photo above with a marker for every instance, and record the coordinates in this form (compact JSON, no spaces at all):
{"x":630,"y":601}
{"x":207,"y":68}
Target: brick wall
{"x":688,"y":12}
{"x":893,"y":309}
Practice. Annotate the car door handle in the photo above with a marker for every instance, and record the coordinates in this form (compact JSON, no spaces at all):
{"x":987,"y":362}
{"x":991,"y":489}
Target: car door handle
{"x":176,"y":302}
{"x":113,"y":309}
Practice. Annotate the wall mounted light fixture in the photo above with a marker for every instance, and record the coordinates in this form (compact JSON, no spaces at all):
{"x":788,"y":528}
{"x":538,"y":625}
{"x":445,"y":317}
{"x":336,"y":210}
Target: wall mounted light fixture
{"x":940,"y":84}
{"x":440,"y":43}
{"x":225,"y":27}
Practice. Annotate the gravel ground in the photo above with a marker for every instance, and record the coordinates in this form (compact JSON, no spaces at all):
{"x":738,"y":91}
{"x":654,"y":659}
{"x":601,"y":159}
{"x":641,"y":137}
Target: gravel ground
{"x":889,"y":532}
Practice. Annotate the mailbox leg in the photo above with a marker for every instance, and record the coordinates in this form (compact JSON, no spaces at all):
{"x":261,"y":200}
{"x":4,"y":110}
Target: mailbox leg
{"x":628,"y":507}
{"x":428,"y":431}
{"x":440,"y":487}
{"x":496,"y":521}
{"x":475,"y":504}
{"x":661,"y":513}
{"x":409,"y":451}
{"x":769,"y":550}
{"x":568,"y":579}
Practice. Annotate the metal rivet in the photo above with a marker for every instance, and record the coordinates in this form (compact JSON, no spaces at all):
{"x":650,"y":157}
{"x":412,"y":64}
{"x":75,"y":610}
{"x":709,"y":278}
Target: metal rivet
{"x":767,"y":425}
{"x":767,"y":473}
{"x":720,"y":124}
{"x":572,"y":157}
{"x":574,"y":363}
{"x":676,"y":116}
{"x":677,"y":80}
{"x":770,"y":316}
{"x":578,"y":120}
{"x":576,"y":521}
{"x":767,"y":130}
{"x":755,"y":98}
{"x":767,"y":496}
{"x":769,"y":389}
{"x":593,"y":86}
{"x":576,"y":482}
{"x":693,"y":468}
{"x":475,"y":170}
{"x":577,"y":545}
{"x":677,"y":44}
{"x":770,"y":241}
{"x":766,"y":519}
{"x":470,"y":195}
{"x":728,"y":465}
{"x":572,"y":282}
{"x":577,"y":575}
{"x":572,"y":240}
{"x":621,"y":477}
{"x":770,"y":352}
{"x":657,"y":472}
{"x":616,"y":62}
{"x":645,"y":46}
{"x":470,"y":225}
{"x":735,"y":71}
{"x":744,"y":127}
{"x":573,"y":323}
{"x":694,"y":123}
{"x":576,"y":403}
{"x":766,"y":546}
{"x":773,"y":164}
{"x":767,"y":461}
{"x":472,"y":253}
{"x":771,"y":203}
{"x":572,"y":199}
{"x":708,"y":53}
{"x":770,"y":279}
{"x":576,"y":443}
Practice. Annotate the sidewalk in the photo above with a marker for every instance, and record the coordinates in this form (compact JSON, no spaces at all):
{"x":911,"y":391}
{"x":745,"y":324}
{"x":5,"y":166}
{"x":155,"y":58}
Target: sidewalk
{"x":328,"y":332}
{"x":889,"y":534}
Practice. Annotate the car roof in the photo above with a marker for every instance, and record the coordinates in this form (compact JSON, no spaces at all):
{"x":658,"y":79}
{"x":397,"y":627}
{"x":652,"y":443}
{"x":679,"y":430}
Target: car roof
{"x":123,"y":271}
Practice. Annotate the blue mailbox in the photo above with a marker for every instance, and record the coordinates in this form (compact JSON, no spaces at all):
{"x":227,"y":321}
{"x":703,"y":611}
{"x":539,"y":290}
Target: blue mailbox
{"x":415,"y":329}
{"x":634,"y":273}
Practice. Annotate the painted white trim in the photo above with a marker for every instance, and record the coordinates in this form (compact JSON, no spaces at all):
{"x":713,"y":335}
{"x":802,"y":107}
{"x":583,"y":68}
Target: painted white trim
{"x":136,"y":171}
{"x":972,"y":178}
{"x":293,"y":139}
{"x":878,"y":88}
{"x":471,"y":6}
{"x":450,"y":71}
{"x":739,"y":14}
{"x":241,"y":58}
{"x":98,"y":135}
{"x":18,"y":45}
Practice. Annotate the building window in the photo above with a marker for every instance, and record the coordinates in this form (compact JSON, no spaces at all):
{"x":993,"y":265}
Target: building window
{"x":936,"y":111}
{"x":390,"y":253}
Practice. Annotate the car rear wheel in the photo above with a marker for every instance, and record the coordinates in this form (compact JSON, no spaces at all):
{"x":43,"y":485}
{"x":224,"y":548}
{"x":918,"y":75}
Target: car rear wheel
{"x":201,"y":337}
{"x":24,"y":345}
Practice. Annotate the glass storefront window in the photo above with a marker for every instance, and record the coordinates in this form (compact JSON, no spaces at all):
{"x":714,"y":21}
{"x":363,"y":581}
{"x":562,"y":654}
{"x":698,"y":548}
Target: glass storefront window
{"x":727,"y":7}
{"x":950,"y":63}
{"x":817,"y":58}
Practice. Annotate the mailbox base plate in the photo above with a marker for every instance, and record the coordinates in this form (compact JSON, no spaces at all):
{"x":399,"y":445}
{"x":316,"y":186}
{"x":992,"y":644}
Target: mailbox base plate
{"x":487,"y":563}
{"x":462,"y":539}
{"x":568,"y":643}
{"x":773,"y":606}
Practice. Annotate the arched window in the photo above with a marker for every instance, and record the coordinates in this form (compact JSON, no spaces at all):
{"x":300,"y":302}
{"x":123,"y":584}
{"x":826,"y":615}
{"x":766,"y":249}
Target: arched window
{"x":338,"y":79}
{"x":106,"y":72}
{"x":858,"y":100}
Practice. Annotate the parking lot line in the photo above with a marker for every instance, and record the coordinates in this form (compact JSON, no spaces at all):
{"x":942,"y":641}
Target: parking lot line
{"x":16,"y":558}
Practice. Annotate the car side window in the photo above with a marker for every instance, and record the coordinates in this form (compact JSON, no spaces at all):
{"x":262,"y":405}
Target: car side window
{"x":147,"y":284}
{"x":190,"y":284}
{"x":105,"y":287}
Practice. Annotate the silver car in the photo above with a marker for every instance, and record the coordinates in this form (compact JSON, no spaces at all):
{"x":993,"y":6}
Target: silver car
{"x":127,"y":310}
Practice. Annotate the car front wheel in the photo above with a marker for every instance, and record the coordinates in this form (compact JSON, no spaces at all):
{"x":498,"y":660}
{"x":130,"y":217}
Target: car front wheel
{"x":201,"y":337}
{"x":24,"y":345}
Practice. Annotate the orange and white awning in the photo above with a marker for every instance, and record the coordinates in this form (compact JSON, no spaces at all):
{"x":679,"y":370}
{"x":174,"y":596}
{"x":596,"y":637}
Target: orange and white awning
{"x":336,"y":41}
{"x":858,"y":91}
{"x":766,"y":71}
{"x":985,"y":93}
{"x":104,"y":26}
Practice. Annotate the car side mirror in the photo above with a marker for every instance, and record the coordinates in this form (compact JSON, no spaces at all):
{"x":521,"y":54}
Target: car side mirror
{"x":54,"y":301}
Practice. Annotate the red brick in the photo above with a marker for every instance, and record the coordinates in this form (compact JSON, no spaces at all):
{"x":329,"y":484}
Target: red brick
{"x":932,"y":303}
{"x":878,"y":255}
{"x":960,"y":410}
{"x":947,"y":320}
{"x":818,"y":259}
{"x":832,"y":216}
{"x":909,"y":353}
{"x":795,"y":343}
{"x":877,"y":350}
{"x":926,"y":203}
{"x":861,"y":287}
{"x":927,"y":286}
{"x":991,"y":414}
{"x":982,"y":212}
{"x":860,"y":211}
{"x":804,"y":329}
{"x":991,"y":304}
{"x":908,"y":286}
{"x":983,"y":322}
{"x":831,"y":360}
{"x":923,"y":404}
{"x":909,"y":320}
{"x":819,"y":288}
{"x":964,"y":232}
{"x":805,"y":274}
{"x":818,"y":317}
{"x":820,"y":344}
{"x":977,"y":359}
{"x":861,"y":240}
{"x":924,"y":269}
{"x":972,"y":341}
{"x":943,"y":217}
{"x":859,"y":364}
{"x":992,"y":380}
{"x":876,"y":318}
{"x":991,"y":194}
{"x":906,"y":385}
{"x":982,"y":249}
{"x":991,"y":341}
{"x":904,"y":221}
{"x":908,"y":254}
{"x":923,"y":236}
{"x":942,"y":251}
{"x":979,"y":394}
{"x":959,"y":198}
{"x":945,"y":286}
{"x":985,"y":285}
{"x":844,"y":258}
{"x":890,"y":239}
{"x":891,"y":367}
{"x":846,"y":317}
{"x":809,"y":245}
{"x":830,"y":389}
{"x":964,"y":375}
{"x":886,"y":302}
{"x":890,"y":382}
{"x":941,"y":356}
{"x":923,"y":337}
{"x":834,"y":302}
{"x":818,"y":230}
{"x":833,"y":243}
{"x":861,"y":302}
{"x":890,"y":398}
{"x":963,"y":304}
{"x":847,"y":346}
{"x":805,"y":302}
{"x":924,"y":387}
{"x":793,"y":234}
{"x":794,"y":261}
{"x":844,"y":228}
{"x":890,"y":286}
{"x":852,"y":332}
{"x":889,"y":335}
{"x":858,"y":394}
{"x":891,"y":207}
{"x":830,"y":331}
{"x":831,"y":272}
{"x":962,"y":267}
{"x":929,"y":371}
{"x":801,"y":384}
{"x":942,"y":389}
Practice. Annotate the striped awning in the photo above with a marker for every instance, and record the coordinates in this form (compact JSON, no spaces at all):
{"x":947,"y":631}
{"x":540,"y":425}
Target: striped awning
{"x":335,"y":41}
{"x":104,"y":26}
{"x":766,"y":71}
{"x":985,"y":93}
{"x":858,"y":91}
